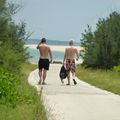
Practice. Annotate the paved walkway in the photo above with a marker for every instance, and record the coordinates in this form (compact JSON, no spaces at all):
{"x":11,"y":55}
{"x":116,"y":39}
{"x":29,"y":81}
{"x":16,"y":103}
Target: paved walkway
{"x":80,"y":102}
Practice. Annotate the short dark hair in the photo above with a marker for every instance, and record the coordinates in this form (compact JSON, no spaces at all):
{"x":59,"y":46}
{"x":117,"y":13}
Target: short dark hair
{"x":43,"y":40}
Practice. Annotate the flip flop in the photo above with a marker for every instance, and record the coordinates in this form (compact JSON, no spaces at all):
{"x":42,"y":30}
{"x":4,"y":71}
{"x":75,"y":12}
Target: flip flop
{"x":68,"y":84}
{"x":44,"y":83}
{"x":74,"y":82}
{"x":39,"y":82}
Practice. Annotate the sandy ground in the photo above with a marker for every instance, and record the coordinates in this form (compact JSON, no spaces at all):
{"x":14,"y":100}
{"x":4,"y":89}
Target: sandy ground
{"x":55,"y":47}
{"x":75,"y":102}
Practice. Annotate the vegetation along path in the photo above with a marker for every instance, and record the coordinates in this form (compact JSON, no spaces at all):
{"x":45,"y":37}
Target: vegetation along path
{"x":75,"y":102}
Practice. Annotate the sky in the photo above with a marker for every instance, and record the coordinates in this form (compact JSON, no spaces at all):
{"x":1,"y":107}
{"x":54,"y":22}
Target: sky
{"x":62,"y":19}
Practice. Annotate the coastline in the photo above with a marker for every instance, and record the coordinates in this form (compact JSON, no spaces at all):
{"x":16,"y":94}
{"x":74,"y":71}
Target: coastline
{"x":54,"y":47}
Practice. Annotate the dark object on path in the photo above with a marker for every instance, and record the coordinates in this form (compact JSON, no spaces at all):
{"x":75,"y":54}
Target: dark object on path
{"x":57,"y":62}
{"x":74,"y":82}
{"x":63,"y":73}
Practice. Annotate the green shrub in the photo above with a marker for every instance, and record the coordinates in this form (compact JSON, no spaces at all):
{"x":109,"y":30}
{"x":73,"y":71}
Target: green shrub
{"x":116,"y":68}
{"x":102,"y":46}
{"x":9,"y":92}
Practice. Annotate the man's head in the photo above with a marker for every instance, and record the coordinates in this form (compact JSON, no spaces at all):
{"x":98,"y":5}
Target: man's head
{"x":43,"y":40}
{"x":71,"y":42}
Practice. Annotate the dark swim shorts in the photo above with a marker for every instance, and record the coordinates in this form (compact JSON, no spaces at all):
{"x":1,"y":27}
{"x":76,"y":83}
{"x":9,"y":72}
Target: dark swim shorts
{"x":43,"y":63}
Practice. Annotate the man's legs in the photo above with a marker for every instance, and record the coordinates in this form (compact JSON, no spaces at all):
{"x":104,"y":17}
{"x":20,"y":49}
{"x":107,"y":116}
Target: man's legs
{"x":68,"y":71}
{"x":73,"y":76}
{"x":40,"y":75}
{"x":73,"y":72}
{"x":44,"y":75}
{"x":68,"y":77}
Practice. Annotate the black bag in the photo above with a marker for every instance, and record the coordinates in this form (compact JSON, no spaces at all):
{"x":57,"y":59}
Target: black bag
{"x":63,"y":73}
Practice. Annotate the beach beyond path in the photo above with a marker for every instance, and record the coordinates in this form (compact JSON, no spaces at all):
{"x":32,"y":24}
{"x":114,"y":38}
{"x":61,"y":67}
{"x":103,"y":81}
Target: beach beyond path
{"x":75,"y":102}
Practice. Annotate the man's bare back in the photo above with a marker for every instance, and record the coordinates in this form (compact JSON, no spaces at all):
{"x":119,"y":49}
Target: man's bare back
{"x":44,"y":50}
{"x":71,"y":52}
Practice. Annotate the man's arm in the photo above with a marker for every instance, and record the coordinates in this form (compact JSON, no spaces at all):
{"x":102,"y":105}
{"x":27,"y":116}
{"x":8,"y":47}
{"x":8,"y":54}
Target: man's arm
{"x":38,"y":45}
{"x":64,"y":56}
{"x":50,"y":53}
{"x":77,"y":55}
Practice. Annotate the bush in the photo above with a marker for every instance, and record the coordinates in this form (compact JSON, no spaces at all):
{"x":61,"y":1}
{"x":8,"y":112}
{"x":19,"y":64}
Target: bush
{"x":116,"y":68}
{"x":9,"y":60}
{"x":9,"y":84}
{"x":102,"y":45}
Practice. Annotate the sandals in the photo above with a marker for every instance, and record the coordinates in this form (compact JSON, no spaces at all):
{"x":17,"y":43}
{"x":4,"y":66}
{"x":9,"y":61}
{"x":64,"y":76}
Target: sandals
{"x":43,"y":83}
{"x":68,"y":84}
{"x":39,"y":82}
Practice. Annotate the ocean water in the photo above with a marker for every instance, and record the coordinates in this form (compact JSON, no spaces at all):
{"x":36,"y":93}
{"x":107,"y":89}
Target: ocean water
{"x":34,"y":53}
{"x":51,"y":42}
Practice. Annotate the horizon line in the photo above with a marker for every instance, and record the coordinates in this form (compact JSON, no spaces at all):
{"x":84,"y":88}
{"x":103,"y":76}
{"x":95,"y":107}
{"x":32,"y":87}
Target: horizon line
{"x":54,"y":39}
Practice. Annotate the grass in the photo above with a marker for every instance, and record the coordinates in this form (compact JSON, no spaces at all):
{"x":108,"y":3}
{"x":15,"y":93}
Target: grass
{"x":107,"y":80}
{"x":30,"y":107}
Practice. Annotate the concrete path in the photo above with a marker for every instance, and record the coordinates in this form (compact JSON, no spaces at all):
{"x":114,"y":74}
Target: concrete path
{"x":80,"y":102}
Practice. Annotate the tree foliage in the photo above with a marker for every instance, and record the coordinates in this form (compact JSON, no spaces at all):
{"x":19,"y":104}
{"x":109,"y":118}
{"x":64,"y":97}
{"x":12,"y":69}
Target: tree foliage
{"x":102,"y":45}
{"x":12,"y":53}
{"x":12,"y":38}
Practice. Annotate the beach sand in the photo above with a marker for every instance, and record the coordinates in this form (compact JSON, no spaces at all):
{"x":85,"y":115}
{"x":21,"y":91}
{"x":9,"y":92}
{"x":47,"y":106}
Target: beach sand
{"x":54,"y":47}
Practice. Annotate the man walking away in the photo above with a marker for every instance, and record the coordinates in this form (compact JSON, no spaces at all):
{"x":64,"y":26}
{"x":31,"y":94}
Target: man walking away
{"x":69,"y":61}
{"x":44,"y":61}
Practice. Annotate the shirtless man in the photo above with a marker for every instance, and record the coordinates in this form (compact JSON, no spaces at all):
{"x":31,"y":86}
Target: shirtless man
{"x":45,"y":59}
{"x":69,"y":61}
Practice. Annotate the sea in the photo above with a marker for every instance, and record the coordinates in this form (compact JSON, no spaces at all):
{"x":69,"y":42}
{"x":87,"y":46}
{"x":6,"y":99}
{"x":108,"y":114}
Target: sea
{"x":57,"y":55}
{"x":50,"y":42}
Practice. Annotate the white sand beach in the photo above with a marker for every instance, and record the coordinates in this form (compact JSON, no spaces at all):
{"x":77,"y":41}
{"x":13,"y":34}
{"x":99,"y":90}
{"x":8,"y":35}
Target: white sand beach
{"x":54,"y":47}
